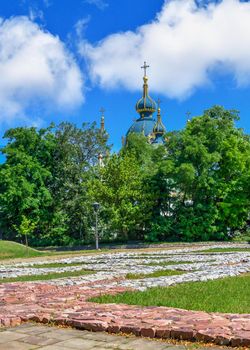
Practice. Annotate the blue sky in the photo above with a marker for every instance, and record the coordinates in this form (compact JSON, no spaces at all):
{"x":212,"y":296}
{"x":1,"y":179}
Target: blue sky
{"x":65,"y":59}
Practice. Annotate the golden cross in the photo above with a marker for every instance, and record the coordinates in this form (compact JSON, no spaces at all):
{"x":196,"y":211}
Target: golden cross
{"x":145,"y":66}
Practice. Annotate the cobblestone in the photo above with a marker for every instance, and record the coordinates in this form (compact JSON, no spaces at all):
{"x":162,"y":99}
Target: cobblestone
{"x":23,"y":338}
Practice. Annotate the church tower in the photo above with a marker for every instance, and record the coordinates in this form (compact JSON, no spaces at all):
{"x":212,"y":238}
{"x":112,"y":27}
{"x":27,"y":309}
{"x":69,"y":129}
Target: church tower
{"x":146,"y":107}
{"x":159,"y":129}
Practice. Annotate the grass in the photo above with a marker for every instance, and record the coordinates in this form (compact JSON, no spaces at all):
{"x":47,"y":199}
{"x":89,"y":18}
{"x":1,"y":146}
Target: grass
{"x":13,"y":250}
{"x":9,"y":250}
{"x":222,"y":250}
{"x":170,"y":263}
{"x":54,"y":265}
{"x":230,"y":295}
{"x":46,"y":277}
{"x":133,"y":276}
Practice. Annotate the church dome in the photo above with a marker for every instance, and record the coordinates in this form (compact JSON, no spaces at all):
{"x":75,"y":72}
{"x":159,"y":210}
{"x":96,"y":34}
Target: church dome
{"x":146,"y":105}
{"x":159,"y":129}
{"x":142,"y":126}
{"x":146,"y":123}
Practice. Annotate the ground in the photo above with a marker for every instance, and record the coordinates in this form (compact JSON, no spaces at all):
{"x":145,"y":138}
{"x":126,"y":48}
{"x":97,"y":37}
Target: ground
{"x":65,"y":301}
{"x":40,"y":337}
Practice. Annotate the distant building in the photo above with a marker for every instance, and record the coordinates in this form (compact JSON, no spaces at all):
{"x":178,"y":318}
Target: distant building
{"x":153,"y":129}
{"x":146,"y":124}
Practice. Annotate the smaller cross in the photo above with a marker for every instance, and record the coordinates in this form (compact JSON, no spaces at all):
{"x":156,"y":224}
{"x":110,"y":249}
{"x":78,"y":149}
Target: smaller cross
{"x":158,"y":103}
{"x":145,"y":66}
{"x":102,"y":110}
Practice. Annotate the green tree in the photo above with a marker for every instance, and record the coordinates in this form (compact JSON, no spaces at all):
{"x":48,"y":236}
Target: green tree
{"x":211,"y":161}
{"x":25,"y":228}
{"x":44,"y":178}
{"x":23,"y":180}
{"x":75,"y":156}
{"x":119,"y":188}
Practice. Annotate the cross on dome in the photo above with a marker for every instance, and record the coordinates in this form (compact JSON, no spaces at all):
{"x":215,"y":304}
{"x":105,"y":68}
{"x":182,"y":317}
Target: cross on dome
{"x":145,"y":66}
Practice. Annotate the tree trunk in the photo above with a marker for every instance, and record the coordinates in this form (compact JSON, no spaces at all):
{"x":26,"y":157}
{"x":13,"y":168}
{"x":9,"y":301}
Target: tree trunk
{"x":26,"y":243}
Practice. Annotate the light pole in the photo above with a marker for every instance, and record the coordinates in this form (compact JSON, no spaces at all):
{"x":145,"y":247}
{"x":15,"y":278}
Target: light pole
{"x":96,"y":207}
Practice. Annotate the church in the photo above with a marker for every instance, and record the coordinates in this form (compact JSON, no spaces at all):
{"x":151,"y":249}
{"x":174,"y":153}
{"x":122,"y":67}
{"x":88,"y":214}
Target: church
{"x":147,"y":125}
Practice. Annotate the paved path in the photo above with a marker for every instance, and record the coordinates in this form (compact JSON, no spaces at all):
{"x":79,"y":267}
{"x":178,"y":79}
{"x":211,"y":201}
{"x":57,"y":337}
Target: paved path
{"x":30,"y":336}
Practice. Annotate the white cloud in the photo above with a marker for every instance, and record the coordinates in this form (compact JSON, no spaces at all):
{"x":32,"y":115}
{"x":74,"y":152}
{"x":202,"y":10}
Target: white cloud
{"x":35,"y":13}
{"x":81,"y":26}
{"x":183,"y":45}
{"x":35,"y":70}
{"x":100,"y":4}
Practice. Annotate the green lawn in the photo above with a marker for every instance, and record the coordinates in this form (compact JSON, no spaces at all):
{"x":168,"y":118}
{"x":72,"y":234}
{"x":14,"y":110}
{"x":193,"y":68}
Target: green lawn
{"x":46,"y":277}
{"x":9,"y":250}
{"x":13,"y":250}
{"x":223,"y":250}
{"x":54,"y":265}
{"x":230,"y":295}
{"x":169,"y":263}
{"x":134,"y":276}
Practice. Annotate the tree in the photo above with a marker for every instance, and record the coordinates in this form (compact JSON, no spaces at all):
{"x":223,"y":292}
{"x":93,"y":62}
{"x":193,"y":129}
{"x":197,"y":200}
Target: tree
{"x":119,"y":189}
{"x":25,"y":228}
{"x":23,"y":181}
{"x":75,"y":156}
{"x":44,"y":179}
{"x":211,"y":161}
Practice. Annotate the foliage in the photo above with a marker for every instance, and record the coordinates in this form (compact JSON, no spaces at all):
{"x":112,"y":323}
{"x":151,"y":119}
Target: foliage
{"x":26,"y":228}
{"x":207,"y":183}
{"x":43,"y":179}
{"x":119,"y":189}
{"x":195,"y":187}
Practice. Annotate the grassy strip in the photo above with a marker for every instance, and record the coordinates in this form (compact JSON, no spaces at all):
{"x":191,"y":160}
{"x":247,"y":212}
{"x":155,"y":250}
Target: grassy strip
{"x":230,"y":295}
{"x":9,"y":250}
{"x":53,"y":265}
{"x":13,"y":250}
{"x":170,"y":263}
{"x":133,"y":276}
{"x":49,"y":276}
{"x":222,"y":250}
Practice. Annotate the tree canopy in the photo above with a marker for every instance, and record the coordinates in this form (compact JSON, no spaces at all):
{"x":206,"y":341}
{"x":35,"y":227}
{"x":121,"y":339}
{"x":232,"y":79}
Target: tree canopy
{"x":194,"y":187}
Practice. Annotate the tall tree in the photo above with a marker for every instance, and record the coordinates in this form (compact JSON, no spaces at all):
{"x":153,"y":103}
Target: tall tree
{"x":24,"y":178}
{"x":211,"y":160}
{"x":119,"y":189}
{"x":76,"y":153}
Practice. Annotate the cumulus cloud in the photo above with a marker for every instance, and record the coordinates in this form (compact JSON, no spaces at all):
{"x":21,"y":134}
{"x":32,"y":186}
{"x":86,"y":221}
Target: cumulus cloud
{"x":184,"y":44}
{"x":35,"y":69}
